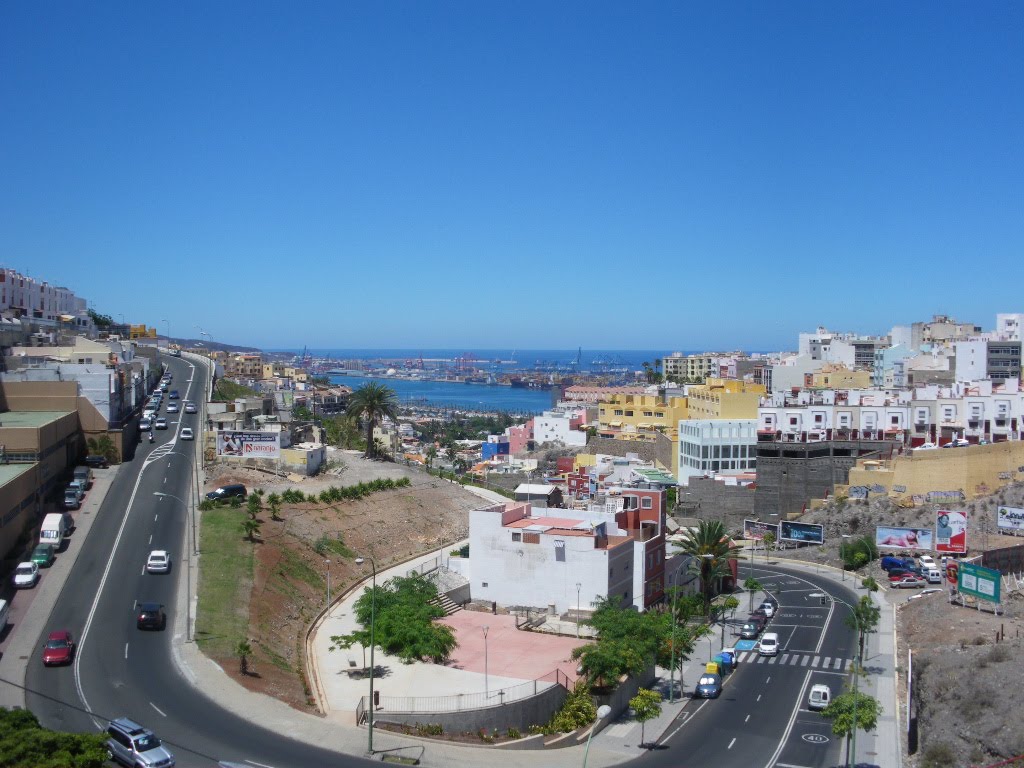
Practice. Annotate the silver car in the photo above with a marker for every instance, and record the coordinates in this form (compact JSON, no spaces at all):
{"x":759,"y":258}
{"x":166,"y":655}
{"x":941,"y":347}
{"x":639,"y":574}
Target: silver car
{"x":132,"y":745}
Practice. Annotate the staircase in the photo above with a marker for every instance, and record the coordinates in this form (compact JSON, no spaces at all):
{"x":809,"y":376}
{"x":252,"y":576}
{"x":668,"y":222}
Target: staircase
{"x":446,"y":604}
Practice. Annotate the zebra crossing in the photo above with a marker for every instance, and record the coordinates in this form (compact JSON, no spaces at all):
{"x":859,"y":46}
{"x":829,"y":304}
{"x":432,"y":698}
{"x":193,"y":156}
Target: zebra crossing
{"x":810,"y":660}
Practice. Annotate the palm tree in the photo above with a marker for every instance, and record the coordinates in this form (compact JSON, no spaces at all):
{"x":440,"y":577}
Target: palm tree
{"x":709,"y":546}
{"x":243,"y":651}
{"x":372,"y":402}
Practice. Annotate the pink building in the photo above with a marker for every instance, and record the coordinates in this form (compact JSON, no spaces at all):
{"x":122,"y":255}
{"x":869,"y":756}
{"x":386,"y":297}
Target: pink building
{"x":519,"y":436}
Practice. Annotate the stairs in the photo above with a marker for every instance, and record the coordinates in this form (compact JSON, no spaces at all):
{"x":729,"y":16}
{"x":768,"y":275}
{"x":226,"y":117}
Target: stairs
{"x":446,"y":604}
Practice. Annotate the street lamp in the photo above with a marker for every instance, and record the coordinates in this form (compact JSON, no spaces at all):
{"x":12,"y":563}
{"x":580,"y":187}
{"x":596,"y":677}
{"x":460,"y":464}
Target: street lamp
{"x":843,"y":565}
{"x":167,"y":323}
{"x":373,"y":616}
{"x":602,"y":712}
{"x":328,"y":564}
{"x":486,"y":681}
{"x":579,"y":586}
{"x":851,"y":758}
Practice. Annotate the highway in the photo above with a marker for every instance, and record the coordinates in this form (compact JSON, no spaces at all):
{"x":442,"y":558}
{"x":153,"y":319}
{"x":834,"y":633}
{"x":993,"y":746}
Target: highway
{"x":760,"y":719}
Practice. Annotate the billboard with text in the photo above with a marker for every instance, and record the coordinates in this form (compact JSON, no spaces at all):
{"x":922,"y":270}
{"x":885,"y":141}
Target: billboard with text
{"x":950,"y":531}
{"x":1010,"y":518}
{"x":902,"y":538}
{"x":808,"y":533}
{"x":249,"y":445}
{"x":755,"y":529}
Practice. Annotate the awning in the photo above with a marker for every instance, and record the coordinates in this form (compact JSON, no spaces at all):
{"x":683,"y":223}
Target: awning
{"x":614,"y":423}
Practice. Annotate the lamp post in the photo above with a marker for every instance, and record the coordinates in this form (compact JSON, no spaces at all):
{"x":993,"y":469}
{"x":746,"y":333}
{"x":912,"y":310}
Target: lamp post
{"x":843,"y":569}
{"x":851,"y":758}
{"x":167,"y":325}
{"x":328,"y":564}
{"x":373,"y":616}
{"x":579,"y":586}
{"x":602,"y":712}
{"x":486,"y":681}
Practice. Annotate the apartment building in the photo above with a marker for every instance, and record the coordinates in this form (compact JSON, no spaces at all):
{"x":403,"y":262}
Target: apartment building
{"x":723,"y":399}
{"x":639,"y":417}
{"x":248,"y":366}
{"x":23,"y":296}
{"x":709,"y":447}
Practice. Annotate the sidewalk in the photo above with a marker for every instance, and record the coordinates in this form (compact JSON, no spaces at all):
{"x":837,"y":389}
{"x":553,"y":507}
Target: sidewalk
{"x":30,"y":609}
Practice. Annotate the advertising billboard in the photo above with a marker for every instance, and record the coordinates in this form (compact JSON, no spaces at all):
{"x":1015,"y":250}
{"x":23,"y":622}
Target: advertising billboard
{"x":983,"y":583}
{"x":249,"y":445}
{"x":809,"y":533}
{"x":755,"y":529}
{"x":902,"y":538}
{"x":950,"y":531}
{"x":1011,"y":518}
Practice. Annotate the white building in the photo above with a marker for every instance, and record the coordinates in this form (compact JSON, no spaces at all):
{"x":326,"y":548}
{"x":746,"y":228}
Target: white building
{"x":834,"y":414}
{"x":1009,"y":325}
{"x":708,"y":447}
{"x":39,"y":300}
{"x":560,"y":426}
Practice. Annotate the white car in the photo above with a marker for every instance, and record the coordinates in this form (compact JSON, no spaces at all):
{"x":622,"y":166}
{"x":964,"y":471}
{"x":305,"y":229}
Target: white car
{"x":926,"y":562}
{"x":768,"y":607}
{"x":926,"y":447}
{"x":186,"y":433}
{"x":190,"y":407}
{"x":26,"y":575}
{"x":172,"y":407}
{"x":161,"y":423}
{"x":159,"y":562}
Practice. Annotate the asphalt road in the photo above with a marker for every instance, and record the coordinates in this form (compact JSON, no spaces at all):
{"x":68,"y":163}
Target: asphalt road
{"x":761,"y":719}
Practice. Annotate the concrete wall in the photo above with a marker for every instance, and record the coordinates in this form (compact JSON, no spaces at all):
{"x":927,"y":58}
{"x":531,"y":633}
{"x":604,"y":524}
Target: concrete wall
{"x":521,"y":714}
{"x":661,"y":450}
{"x":618,"y":699}
{"x":20,"y":505}
{"x":707,"y":499}
{"x":977,"y":470}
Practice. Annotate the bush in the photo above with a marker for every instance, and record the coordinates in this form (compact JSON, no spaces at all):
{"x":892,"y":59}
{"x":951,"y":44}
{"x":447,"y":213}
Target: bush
{"x":577,"y":711}
{"x":206,"y":505}
{"x":939,"y":755}
{"x":513,"y":733}
{"x":429,"y":729}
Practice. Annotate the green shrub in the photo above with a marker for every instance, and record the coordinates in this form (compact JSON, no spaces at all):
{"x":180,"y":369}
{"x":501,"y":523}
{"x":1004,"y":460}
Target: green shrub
{"x":206,"y":505}
{"x":577,"y":711}
{"x":513,"y":733}
{"x":429,"y":729}
{"x":939,"y":755}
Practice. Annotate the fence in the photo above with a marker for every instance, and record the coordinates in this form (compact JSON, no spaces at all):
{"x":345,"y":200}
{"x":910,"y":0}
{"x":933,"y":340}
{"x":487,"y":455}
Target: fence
{"x":464,"y":701}
{"x":428,"y":566}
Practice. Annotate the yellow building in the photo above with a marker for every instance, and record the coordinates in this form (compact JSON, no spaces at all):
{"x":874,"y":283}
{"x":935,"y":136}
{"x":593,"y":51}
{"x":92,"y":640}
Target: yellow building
{"x":640,"y":417}
{"x":724,"y":399}
{"x":141,"y":332}
{"x":244,"y":366}
{"x":834,"y":376}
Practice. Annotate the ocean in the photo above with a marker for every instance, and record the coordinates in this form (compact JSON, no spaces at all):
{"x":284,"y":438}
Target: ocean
{"x":595,"y":360}
{"x":472,"y":397}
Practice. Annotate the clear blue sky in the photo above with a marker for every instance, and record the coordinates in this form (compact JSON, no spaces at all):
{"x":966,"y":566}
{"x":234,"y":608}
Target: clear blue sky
{"x":530,"y":174}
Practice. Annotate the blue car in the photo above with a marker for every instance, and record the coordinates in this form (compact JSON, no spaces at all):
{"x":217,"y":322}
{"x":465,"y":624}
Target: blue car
{"x":708,"y":687}
{"x":173,"y":394}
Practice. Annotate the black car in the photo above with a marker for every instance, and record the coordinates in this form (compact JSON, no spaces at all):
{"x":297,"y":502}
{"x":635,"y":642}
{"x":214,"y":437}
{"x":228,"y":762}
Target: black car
{"x":151,"y":616}
{"x":97,"y":462}
{"x":227,"y":492}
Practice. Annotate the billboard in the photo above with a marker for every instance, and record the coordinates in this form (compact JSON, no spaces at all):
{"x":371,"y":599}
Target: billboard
{"x":950,"y":531}
{"x":249,"y":445}
{"x":983,"y":583}
{"x":902,"y":538}
{"x":1011,"y":518}
{"x":809,"y":533}
{"x":755,"y":529}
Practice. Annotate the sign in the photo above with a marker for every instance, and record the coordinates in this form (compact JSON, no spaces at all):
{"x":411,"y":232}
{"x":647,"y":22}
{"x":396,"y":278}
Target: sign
{"x":809,"y":533}
{"x":755,"y":529}
{"x":858,"y":492}
{"x":899,"y":489}
{"x":903,"y":538}
{"x":950,"y":531}
{"x":952,"y":569}
{"x":877,"y":488}
{"x":945,"y":495}
{"x":983,"y":583}
{"x":1010,"y":517}
{"x":249,"y":445}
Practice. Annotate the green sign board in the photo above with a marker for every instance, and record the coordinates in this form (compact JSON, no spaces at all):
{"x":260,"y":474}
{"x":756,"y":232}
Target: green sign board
{"x":983,"y":583}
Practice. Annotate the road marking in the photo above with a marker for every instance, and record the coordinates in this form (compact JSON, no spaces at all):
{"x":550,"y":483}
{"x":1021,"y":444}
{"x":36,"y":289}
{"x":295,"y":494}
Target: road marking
{"x":165,"y":479}
{"x":686,"y":718}
{"x":795,"y":660}
{"x":126,"y":650}
{"x":156,"y":517}
{"x":785,"y":658}
{"x":261,"y":765}
{"x":758,"y":697}
{"x":151,"y":538}
{"x":815,"y":660}
{"x":768,"y":680}
{"x":788,"y":765}
{"x":731,"y":743}
{"x":838,"y":664}
{"x":154,"y":706}
{"x":804,"y":660}
{"x":827,"y":661}
{"x":792,"y":721}
{"x":746,"y":718}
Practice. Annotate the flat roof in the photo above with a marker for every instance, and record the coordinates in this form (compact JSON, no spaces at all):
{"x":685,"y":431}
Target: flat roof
{"x":546,"y":522}
{"x":9,"y":472}
{"x":34,"y":419}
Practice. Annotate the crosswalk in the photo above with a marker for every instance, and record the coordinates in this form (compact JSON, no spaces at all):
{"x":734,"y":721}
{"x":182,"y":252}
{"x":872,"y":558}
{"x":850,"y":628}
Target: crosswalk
{"x":810,"y":660}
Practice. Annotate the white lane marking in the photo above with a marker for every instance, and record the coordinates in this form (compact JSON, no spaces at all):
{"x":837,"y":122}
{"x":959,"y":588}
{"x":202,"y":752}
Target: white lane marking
{"x":792,"y":719}
{"x":126,"y":650}
{"x":154,"y":706}
{"x":156,"y":517}
{"x":837,"y":664}
{"x":165,"y":479}
{"x":804,"y":660}
{"x":768,"y":680}
{"x":151,"y":538}
{"x":758,"y":697}
{"x":143,"y":571}
{"x":731,"y":743}
{"x":815,"y":660}
{"x":789,"y":765}
{"x":795,"y":660}
{"x":785,"y":658}
{"x":827,"y":661}
{"x":680,"y":726}
{"x":261,"y":765}
{"x":746,"y":718}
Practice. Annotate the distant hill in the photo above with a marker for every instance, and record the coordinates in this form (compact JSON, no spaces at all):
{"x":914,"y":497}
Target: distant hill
{"x":233,"y":348}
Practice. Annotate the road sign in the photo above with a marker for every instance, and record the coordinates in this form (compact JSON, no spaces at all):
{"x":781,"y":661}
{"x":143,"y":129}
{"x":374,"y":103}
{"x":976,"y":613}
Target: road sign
{"x":983,"y":583}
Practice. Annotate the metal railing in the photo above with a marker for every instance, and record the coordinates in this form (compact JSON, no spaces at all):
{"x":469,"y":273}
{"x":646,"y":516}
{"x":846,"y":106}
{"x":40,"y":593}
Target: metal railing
{"x":464,"y":701}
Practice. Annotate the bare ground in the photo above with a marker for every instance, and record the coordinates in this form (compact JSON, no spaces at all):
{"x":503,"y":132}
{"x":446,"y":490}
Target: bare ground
{"x":290,"y":575}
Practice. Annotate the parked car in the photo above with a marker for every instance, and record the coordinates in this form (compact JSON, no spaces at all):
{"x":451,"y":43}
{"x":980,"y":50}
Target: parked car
{"x":43,"y":555}
{"x":158,"y":562}
{"x":83,"y":475}
{"x":72,"y":498}
{"x":750,"y":630}
{"x":904,"y":582}
{"x":820,"y":696}
{"x":26,"y":575}
{"x":132,"y":745}
{"x":709,"y":686}
{"x":226,"y":492}
{"x":97,"y":462}
{"x":926,"y":447}
{"x":926,"y":562}
{"x":59,"y":649}
{"x":768,"y":607}
{"x":145,"y":424}
{"x":151,"y":616}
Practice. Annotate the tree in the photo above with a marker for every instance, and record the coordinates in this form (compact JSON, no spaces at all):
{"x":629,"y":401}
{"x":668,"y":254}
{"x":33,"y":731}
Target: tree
{"x":302,"y":413}
{"x":403,"y":621}
{"x":371,"y":403}
{"x":100,"y":321}
{"x":858,"y":552}
{"x":769,"y":542}
{"x":274,"y":502}
{"x":710,"y":549}
{"x":431,"y":455}
{"x":243,"y":651}
{"x":752,"y":585}
{"x":253,"y":505}
{"x":869,"y":583}
{"x":866,"y":622}
{"x":251,"y":528}
{"x":646,"y":705}
{"x":26,"y":744}
{"x":840,"y":711}
{"x":103,"y":446}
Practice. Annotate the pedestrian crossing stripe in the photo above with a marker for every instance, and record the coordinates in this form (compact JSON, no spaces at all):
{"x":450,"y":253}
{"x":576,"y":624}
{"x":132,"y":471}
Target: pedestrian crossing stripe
{"x":796,"y":660}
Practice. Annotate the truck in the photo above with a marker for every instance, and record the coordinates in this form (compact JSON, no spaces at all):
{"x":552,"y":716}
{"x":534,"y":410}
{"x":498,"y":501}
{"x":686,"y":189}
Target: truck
{"x":53,"y":530}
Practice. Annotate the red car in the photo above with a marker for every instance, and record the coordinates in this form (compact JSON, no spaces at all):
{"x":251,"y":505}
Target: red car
{"x":59,"y":649}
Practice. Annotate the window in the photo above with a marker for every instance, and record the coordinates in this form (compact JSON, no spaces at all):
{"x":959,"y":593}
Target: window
{"x":559,"y":551}
{"x":659,"y":414}
{"x":483,"y":583}
{"x":629,"y":413}
{"x":648,"y":413}
{"x":517,"y":536}
{"x":646,"y":503}
{"x":618,"y":412}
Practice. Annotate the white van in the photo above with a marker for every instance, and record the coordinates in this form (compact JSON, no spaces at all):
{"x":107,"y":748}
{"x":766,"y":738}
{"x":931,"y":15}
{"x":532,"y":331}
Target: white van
{"x":934,"y":576}
{"x":769,"y":645}
{"x":53,"y":530}
{"x":5,"y":608}
{"x":820,"y":697}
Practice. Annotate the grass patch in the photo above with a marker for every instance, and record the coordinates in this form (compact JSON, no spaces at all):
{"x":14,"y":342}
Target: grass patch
{"x":225,"y":580}
{"x":227,"y":390}
{"x":276,"y":658}
{"x":292,"y":568}
{"x":326,"y":544}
